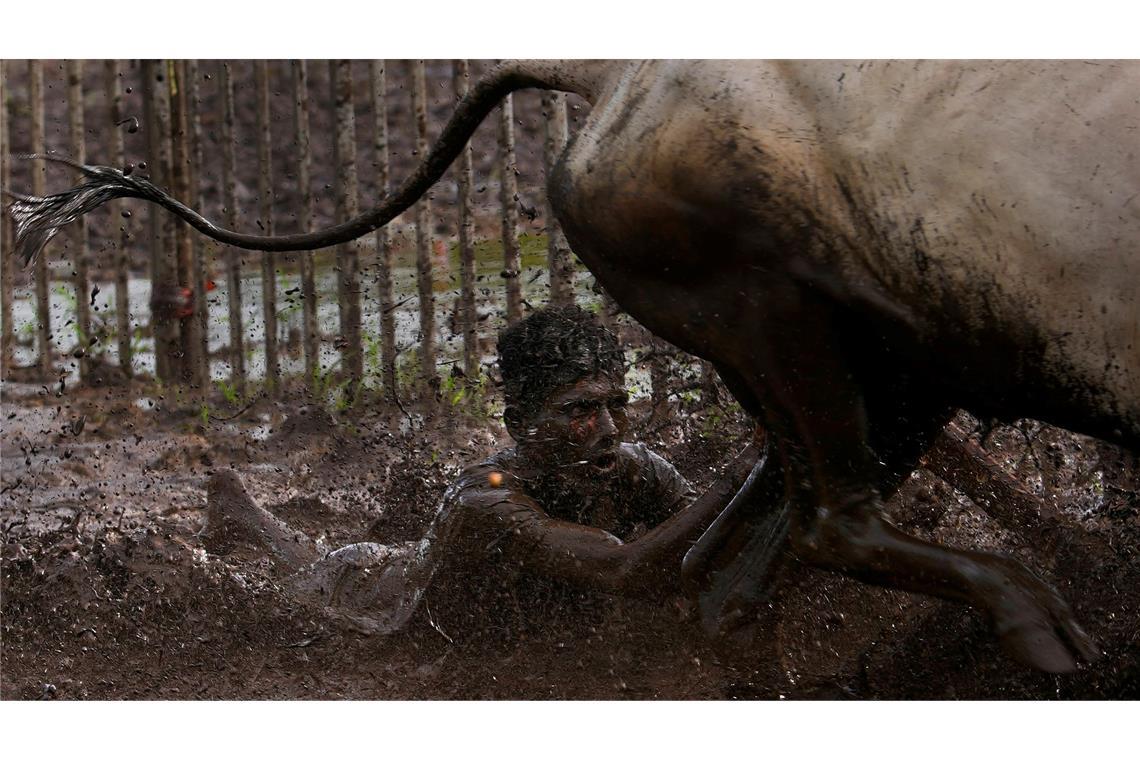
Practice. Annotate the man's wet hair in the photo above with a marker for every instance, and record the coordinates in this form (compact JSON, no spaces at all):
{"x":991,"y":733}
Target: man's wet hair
{"x":551,"y":348}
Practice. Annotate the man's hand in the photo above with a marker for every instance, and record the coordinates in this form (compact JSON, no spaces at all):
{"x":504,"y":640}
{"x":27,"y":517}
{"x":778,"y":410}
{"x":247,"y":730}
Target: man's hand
{"x":729,"y":570}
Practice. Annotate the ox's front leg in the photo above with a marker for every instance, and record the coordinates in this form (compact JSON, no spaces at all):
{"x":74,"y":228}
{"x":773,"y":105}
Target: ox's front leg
{"x":815,"y":406}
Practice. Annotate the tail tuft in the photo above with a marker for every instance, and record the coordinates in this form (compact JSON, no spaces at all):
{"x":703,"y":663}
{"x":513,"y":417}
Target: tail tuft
{"x":37,"y":220}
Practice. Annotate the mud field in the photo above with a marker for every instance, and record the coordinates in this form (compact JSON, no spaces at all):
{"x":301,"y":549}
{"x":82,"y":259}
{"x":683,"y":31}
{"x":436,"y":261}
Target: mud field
{"x":108,"y":592}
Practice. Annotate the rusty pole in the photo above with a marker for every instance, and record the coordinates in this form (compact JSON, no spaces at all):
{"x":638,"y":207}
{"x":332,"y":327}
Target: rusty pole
{"x":348,"y":255}
{"x":265,"y":212}
{"x":467,"y":316}
{"x":230,"y":214}
{"x":181,"y":179}
{"x":310,"y":328}
{"x":508,"y":197}
{"x":424,"y":281}
{"x":7,"y":234}
{"x":198,"y":247}
{"x":80,"y":256}
{"x":39,"y":188}
{"x":557,"y":249}
{"x":383,"y":239}
{"x":163,"y":272}
{"x":113,"y":74}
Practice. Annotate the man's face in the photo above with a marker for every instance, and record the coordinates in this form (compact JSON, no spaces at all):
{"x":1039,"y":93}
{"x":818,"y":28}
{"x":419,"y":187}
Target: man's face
{"x":579,"y":427}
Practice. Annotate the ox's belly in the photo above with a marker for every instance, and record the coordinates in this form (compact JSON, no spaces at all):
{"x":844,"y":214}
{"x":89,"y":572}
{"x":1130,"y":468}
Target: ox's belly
{"x":686,"y":221}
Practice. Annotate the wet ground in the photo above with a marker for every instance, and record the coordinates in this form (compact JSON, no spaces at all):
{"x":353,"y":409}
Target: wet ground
{"x":108,"y":592}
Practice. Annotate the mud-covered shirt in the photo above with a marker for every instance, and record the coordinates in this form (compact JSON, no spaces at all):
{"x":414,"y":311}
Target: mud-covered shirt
{"x":465,"y":578}
{"x":478,"y":586}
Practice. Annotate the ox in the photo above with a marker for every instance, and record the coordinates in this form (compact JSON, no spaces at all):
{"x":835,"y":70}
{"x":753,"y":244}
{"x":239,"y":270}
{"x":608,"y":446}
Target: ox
{"x":859,"y":248}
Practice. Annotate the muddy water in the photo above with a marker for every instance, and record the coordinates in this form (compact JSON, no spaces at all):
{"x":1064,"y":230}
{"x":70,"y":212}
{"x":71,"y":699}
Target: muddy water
{"x":109,"y":592}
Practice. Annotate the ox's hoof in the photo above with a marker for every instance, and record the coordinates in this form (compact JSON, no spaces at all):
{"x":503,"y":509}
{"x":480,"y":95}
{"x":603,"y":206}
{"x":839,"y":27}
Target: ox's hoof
{"x":1034,"y":624}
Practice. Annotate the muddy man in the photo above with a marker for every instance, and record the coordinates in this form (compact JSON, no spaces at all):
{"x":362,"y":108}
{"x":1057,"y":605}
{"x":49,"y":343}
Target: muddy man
{"x":569,"y":510}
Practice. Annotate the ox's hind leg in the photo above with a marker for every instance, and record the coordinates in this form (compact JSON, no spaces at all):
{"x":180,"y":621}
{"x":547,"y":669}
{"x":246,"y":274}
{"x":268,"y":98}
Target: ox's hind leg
{"x":817,"y":410}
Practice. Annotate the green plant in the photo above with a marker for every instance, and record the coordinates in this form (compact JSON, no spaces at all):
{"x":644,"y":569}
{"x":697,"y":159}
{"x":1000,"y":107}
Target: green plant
{"x":67,"y":294}
{"x":372,"y":353}
{"x":711,"y":424}
{"x":292,"y":302}
{"x":319,"y":383}
{"x":454,"y":389}
{"x":344,"y":401}
{"x":407,"y":369}
{"x":229,"y":391}
{"x":138,"y":338}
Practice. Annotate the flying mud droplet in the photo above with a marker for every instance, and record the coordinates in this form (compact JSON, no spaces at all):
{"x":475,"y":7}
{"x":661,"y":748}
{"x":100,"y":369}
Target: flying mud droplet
{"x":125,"y":213}
{"x":132,"y":123}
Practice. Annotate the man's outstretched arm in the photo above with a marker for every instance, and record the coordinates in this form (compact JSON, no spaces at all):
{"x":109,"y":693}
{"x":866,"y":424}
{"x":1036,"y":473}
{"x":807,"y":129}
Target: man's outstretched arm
{"x":504,"y":519}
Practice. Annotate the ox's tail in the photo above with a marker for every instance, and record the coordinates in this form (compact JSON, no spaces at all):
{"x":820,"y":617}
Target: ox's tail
{"x":37,"y":220}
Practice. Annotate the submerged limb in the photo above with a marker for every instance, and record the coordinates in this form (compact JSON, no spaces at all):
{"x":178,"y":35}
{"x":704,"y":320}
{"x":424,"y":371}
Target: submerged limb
{"x":373,"y":587}
{"x":234,"y":521}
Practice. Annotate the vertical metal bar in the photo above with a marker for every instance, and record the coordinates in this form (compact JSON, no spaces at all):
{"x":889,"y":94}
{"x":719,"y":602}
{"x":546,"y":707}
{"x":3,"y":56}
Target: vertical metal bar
{"x":80,"y":256}
{"x":348,"y":255}
{"x":197,"y":244}
{"x":509,"y":196}
{"x":113,"y":74}
{"x":230,"y":214}
{"x":557,"y":249}
{"x":265,"y":212}
{"x":423,"y":238}
{"x":384,"y":283}
{"x":163,"y":274}
{"x":305,"y":200}
{"x":467,"y":318}
{"x":181,"y":180}
{"x":39,"y":188}
{"x":7,"y":235}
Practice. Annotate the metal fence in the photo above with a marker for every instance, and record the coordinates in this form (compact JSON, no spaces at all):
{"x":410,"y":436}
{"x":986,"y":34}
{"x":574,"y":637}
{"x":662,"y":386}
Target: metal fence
{"x":278,"y":147}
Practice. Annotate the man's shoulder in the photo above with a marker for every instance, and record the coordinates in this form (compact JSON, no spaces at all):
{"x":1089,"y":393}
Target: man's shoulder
{"x":497,"y":471}
{"x":482,"y":490}
{"x":503,"y":462}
